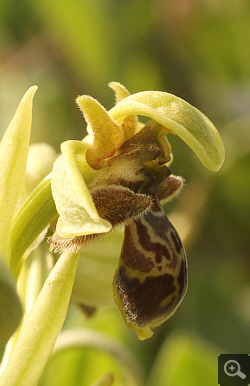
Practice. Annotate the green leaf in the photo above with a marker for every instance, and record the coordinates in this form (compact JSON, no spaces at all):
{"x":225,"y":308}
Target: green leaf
{"x":42,"y":326}
{"x":14,"y":149}
{"x":180,"y":118}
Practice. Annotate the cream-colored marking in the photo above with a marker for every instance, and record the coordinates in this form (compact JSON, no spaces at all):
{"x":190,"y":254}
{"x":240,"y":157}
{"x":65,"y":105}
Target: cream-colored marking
{"x":167,"y":300}
{"x":153,"y":238}
{"x":136,"y":272}
{"x":157,"y":239}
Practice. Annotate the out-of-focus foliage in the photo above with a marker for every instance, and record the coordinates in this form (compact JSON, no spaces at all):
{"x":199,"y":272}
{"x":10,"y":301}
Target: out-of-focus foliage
{"x":184,"y":360}
{"x":198,"y":50}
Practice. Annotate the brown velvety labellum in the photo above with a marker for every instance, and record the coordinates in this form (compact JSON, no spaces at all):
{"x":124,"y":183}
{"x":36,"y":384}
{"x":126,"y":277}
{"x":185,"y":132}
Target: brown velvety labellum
{"x":151,"y":279}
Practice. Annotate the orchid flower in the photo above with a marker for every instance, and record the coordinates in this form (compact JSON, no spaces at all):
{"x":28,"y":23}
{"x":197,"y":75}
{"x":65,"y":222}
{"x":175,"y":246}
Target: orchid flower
{"x":112,"y":182}
{"x":117,"y":177}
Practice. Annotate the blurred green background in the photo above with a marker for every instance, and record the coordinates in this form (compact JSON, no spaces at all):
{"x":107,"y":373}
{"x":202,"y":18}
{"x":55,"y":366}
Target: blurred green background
{"x":198,"y":50}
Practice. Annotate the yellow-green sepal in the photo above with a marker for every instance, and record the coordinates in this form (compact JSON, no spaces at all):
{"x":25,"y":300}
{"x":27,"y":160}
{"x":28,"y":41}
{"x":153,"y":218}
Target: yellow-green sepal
{"x":71,"y":177}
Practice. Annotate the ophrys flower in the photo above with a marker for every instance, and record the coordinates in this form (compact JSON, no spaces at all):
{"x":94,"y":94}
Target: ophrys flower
{"x":116,"y":177}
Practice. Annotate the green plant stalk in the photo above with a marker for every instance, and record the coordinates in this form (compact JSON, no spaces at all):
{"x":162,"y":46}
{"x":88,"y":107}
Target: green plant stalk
{"x":42,"y":326}
{"x":36,"y":213}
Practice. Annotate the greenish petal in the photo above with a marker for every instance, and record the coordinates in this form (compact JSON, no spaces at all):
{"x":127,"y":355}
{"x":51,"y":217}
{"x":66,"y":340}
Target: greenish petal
{"x":130,"y":122}
{"x":178,"y":117}
{"x":120,"y":91}
{"x":14,"y":149}
{"x":70,"y":177}
{"x":107,"y":135}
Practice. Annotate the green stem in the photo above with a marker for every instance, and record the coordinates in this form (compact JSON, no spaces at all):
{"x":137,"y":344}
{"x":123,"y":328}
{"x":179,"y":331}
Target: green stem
{"x":36,"y":213}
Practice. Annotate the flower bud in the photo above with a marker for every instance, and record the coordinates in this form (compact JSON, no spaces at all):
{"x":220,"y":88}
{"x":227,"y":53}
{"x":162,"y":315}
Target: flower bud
{"x":39,"y":164}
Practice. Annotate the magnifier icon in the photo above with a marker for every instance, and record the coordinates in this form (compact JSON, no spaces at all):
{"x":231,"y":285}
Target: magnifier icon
{"x":234,"y":368}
